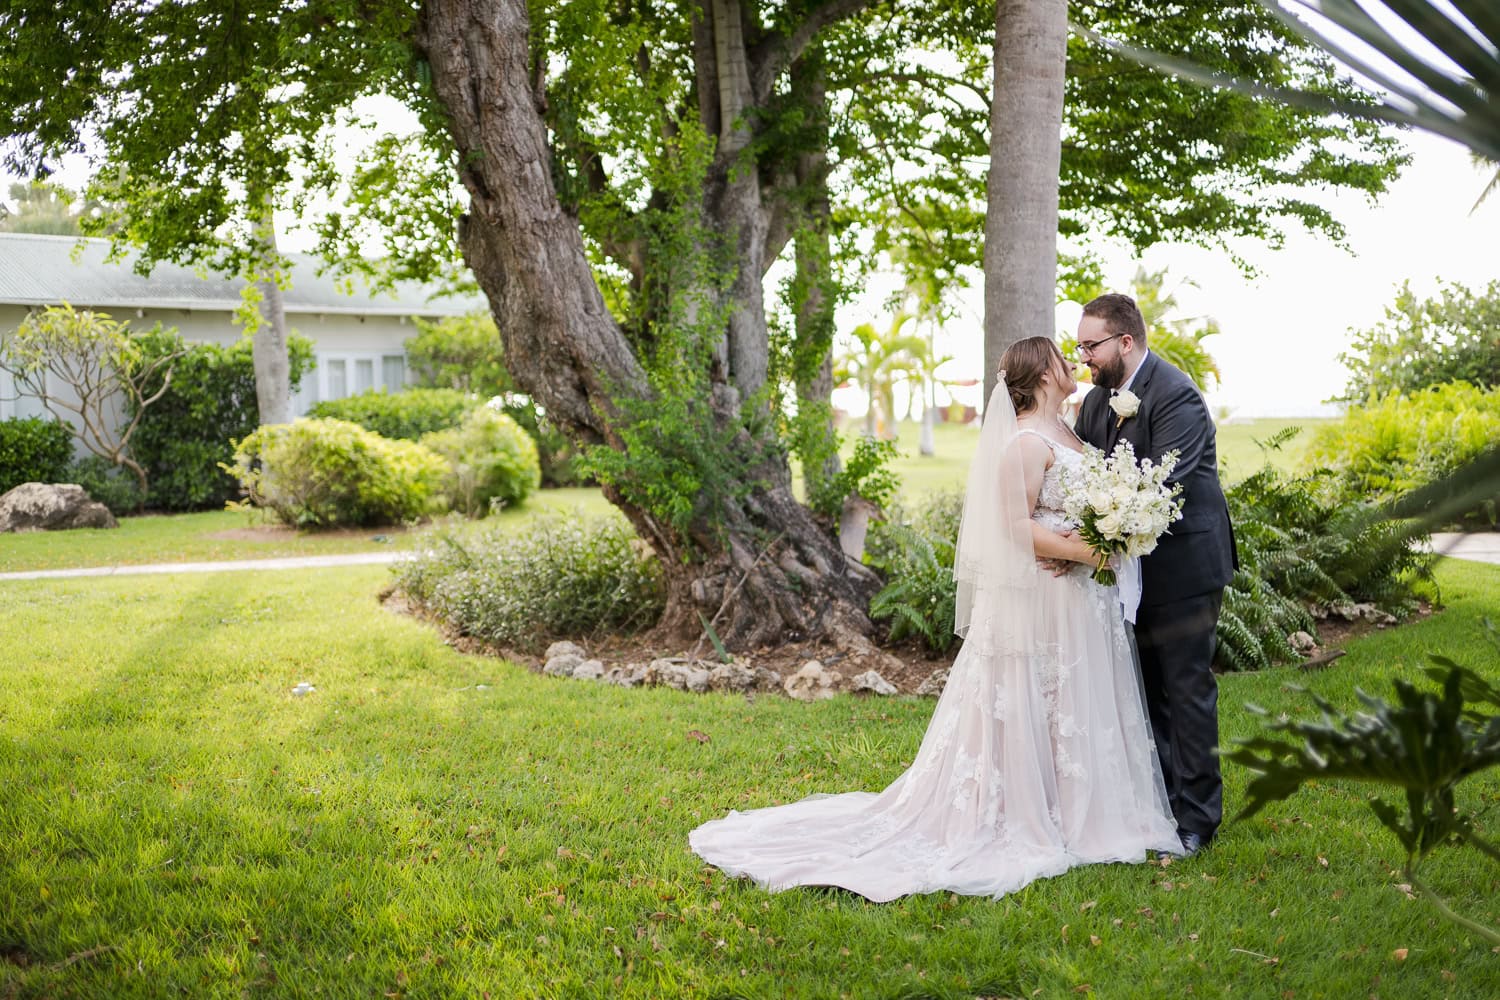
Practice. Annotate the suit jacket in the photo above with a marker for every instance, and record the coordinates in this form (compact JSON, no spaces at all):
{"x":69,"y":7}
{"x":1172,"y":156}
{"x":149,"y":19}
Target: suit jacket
{"x":1197,"y":556}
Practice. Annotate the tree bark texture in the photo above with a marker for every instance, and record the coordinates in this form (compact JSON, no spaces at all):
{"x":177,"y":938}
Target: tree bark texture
{"x":268,"y":350}
{"x":762,"y":568}
{"x":1020,"y":233}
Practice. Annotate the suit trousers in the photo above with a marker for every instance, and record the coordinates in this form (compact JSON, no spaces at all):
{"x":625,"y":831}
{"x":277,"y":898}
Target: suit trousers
{"x":1176,"y":646}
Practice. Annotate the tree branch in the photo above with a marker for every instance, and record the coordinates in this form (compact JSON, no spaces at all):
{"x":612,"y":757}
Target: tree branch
{"x":779,"y":49}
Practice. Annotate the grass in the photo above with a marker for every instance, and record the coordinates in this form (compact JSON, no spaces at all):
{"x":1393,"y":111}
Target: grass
{"x":1239,"y":455}
{"x":212,"y":536}
{"x":223,"y":536}
{"x":173,"y":821}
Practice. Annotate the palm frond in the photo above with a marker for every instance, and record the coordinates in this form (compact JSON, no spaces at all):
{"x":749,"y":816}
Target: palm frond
{"x":1459,"y":106}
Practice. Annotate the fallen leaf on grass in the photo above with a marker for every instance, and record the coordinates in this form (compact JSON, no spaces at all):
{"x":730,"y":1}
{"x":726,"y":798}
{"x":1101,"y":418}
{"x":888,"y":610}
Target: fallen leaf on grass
{"x":1399,"y":954}
{"x":1086,"y":907}
{"x":1095,"y":940}
{"x":697,"y":734}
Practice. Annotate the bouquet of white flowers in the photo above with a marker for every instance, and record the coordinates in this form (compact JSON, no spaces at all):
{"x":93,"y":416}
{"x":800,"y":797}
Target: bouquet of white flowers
{"x":1121,"y":505}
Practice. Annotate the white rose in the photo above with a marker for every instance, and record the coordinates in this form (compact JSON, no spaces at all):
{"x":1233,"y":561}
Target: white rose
{"x":1108,"y":525}
{"x":1125,"y":403}
{"x":1099,"y":499}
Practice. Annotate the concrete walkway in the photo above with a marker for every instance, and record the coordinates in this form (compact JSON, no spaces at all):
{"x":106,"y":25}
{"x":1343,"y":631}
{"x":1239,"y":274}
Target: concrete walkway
{"x":295,"y":562}
{"x":1479,"y":547}
{"x":1483,"y":546}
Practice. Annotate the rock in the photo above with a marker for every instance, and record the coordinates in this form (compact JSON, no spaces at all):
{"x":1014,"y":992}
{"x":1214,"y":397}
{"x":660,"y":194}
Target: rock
{"x":566,"y":648}
{"x":934,"y":684}
{"x":1302,"y":642}
{"x":628,"y":676}
{"x":767,"y":679}
{"x":562,"y":665}
{"x":812,"y":682}
{"x":731,"y":677}
{"x":47,"y":507}
{"x":656,"y":671}
{"x":684,"y":677}
{"x":588,"y":670}
{"x":871,"y":682}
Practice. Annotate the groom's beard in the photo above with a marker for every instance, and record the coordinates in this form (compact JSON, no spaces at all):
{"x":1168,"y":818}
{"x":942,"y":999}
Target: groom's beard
{"x":1110,"y":374}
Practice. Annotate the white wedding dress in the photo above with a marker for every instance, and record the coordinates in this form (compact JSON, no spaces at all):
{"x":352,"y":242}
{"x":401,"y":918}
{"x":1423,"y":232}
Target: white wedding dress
{"x":1038,"y":758}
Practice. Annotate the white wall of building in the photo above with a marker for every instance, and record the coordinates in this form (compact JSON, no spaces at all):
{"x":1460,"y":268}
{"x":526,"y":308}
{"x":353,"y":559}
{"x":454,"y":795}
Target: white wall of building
{"x":352,"y":352}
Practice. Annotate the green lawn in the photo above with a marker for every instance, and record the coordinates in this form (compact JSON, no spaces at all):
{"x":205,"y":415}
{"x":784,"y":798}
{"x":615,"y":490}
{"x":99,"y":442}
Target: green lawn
{"x":227,"y":535}
{"x":1239,"y":455}
{"x":174,"y":822}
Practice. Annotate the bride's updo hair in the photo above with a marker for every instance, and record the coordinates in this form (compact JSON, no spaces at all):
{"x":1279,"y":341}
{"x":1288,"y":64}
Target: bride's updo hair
{"x":1022,"y":366}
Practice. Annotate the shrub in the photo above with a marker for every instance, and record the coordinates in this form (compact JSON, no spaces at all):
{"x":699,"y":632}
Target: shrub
{"x":562,"y":578}
{"x":107,"y":483}
{"x":405,"y":415}
{"x":491,"y":460}
{"x":459,"y":352}
{"x":33,"y":450}
{"x":1399,"y":443}
{"x":1454,"y":337}
{"x":914,"y":550}
{"x":464,"y":353}
{"x":322,"y":473}
{"x":867,"y":473}
{"x":186,"y":437}
{"x":559,"y":460}
{"x":1303,"y":543}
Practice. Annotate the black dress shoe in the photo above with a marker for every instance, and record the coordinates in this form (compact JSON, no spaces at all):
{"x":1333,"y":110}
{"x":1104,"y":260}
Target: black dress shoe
{"x":1192,"y":843}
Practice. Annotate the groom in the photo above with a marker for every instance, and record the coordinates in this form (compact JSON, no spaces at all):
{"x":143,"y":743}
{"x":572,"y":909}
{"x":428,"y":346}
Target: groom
{"x":1144,"y":400}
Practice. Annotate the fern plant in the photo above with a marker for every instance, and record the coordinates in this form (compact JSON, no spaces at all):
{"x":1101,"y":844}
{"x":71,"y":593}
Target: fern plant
{"x":1302,"y":543}
{"x":919,"y":600}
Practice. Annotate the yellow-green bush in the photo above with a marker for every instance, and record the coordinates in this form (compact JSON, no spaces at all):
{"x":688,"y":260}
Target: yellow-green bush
{"x":491,"y":460}
{"x":324,"y":473}
{"x":1400,"y":442}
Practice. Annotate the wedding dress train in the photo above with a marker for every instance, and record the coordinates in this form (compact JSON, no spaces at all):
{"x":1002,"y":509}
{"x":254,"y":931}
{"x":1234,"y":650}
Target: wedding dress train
{"x":1038,"y":758}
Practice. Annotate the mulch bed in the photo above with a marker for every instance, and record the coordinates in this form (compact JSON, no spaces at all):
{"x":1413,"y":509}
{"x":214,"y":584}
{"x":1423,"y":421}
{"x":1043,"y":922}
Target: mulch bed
{"x":905,"y":665}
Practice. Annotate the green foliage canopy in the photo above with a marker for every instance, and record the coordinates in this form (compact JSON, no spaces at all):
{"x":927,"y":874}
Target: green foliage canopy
{"x":1421,"y":343}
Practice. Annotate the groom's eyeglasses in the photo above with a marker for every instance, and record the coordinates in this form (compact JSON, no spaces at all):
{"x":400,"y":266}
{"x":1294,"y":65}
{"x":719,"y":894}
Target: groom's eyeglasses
{"x":1086,"y":350}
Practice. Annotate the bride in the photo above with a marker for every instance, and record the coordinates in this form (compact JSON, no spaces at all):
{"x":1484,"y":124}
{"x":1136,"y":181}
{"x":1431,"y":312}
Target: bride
{"x":1038,"y":756}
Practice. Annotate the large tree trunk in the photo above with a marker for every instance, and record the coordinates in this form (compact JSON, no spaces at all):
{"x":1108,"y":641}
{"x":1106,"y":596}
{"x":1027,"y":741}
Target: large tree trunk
{"x":1020,"y":232}
{"x":760,"y":567}
{"x":268,"y":350}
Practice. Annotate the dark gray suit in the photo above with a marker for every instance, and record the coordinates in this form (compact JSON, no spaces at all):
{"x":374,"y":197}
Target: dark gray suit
{"x":1182,"y":583}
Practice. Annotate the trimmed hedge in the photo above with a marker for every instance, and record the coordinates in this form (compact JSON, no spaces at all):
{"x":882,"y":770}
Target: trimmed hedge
{"x":405,"y":415}
{"x":327,"y":473}
{"x":185,"y":439}
{"x":33,"y":450}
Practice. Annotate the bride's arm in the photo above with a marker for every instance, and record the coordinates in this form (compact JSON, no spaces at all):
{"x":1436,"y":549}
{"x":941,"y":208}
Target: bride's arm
{"x":1035,"y":458}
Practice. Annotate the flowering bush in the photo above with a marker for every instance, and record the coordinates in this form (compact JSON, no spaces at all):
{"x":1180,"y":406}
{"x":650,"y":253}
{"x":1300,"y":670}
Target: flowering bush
{"x":562,"y":577}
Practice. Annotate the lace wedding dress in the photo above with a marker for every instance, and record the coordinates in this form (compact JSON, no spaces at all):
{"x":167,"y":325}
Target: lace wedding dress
{"x":1038,"y":758}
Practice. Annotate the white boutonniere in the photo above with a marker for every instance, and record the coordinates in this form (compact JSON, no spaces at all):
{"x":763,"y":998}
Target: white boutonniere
{"x":1125,"y":404}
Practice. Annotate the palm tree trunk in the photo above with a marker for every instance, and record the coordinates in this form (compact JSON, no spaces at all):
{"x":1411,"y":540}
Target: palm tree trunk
{"x":1020,"y":232}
